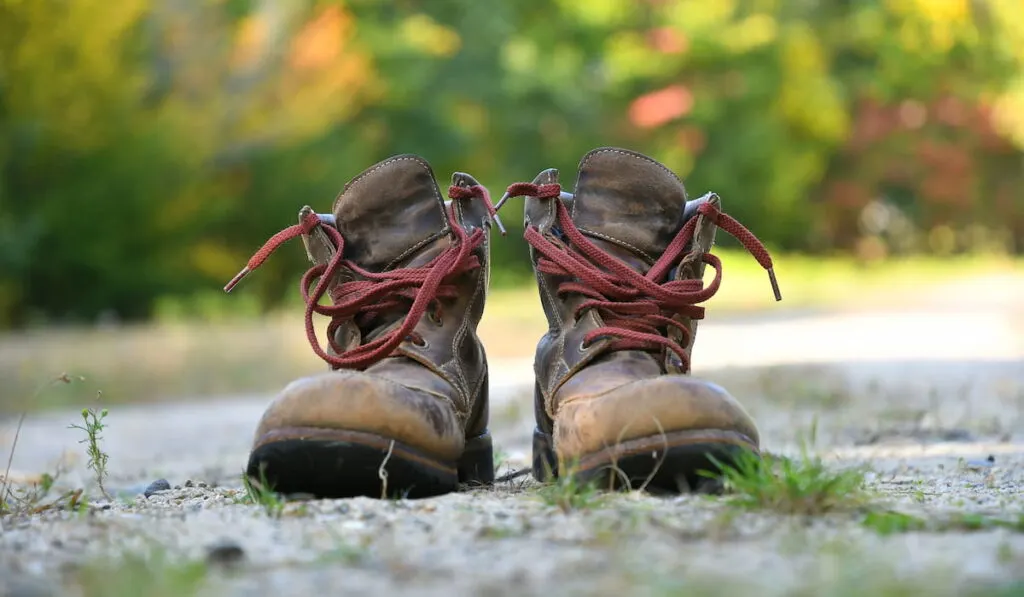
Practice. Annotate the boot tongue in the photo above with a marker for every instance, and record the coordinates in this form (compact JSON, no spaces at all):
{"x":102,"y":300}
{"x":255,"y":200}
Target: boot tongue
{"x":626,"y":199}
{"x":388,"y":210}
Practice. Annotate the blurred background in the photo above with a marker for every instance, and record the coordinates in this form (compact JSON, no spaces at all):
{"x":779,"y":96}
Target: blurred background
{"x":148,"y":147}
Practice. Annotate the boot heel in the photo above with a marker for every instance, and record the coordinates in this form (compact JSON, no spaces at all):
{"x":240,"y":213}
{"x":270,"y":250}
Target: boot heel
{"x":476,"y":466}
{"x":545,"y":465}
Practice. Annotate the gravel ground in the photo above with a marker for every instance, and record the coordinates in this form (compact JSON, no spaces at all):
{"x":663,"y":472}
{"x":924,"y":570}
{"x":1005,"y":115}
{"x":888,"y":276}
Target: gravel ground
{"x":940,"y":431}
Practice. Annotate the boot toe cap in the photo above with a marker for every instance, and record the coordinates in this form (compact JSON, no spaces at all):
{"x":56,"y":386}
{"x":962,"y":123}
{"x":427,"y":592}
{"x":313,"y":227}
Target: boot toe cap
{"x":366,"y":403}
{"x":651,"y":407}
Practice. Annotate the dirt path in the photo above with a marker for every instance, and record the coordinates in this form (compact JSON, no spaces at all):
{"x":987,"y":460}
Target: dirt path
{"x":930,"y":398}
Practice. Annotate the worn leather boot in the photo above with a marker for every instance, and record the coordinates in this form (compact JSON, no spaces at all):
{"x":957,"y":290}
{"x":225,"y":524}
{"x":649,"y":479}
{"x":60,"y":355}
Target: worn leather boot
{"x":403,"y":409}
{"x":620,"y":266}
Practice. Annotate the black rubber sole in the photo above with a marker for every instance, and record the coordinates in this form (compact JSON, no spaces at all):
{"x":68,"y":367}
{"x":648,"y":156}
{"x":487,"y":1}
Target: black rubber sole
{"x":339,"y":464}
{"x":687,"y":465}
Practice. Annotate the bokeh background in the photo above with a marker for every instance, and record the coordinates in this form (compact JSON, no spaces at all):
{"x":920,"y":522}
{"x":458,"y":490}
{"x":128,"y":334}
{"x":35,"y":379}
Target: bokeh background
{"x":148,"y":147}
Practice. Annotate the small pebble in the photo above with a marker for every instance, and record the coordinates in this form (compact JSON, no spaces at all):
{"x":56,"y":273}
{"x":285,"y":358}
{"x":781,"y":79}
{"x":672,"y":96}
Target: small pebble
{"x":225,"y":553}
{"x":155,"y":486}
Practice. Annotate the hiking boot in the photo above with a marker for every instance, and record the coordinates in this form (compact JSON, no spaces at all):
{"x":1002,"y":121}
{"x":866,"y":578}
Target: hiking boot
{"x":620,"y":266}
{"x":403,"y":408}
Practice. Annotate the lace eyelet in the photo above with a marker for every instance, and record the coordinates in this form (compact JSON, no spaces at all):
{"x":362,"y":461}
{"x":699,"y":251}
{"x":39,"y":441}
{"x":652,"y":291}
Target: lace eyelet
{"x":434,"y":319}
{"x":418,"y":342}
{"x":584,"y":347}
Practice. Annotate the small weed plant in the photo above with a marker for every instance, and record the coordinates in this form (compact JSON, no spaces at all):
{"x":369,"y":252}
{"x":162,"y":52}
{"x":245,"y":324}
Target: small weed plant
{"x":93,"y":426}
{"x":259,"y":491}
{"x":33,"y":499}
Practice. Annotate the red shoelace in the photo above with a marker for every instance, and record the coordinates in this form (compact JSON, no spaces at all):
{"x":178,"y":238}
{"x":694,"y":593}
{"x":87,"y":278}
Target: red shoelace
{"x":377,"y":292}
{"x":635,"y":307}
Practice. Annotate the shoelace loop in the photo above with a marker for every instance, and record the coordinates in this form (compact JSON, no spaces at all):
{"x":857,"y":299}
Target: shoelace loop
{"x":478,"y":192}
{"x":635,"y":307}
{"x":375,"y":293}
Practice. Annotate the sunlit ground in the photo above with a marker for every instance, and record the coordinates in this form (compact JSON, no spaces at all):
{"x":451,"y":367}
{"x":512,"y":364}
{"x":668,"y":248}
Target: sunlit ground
{"x":191,"y":359}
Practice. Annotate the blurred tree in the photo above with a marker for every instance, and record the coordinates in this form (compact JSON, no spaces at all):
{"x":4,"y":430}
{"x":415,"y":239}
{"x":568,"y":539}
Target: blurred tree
{"x":147,"y":147}
{"x":128,"y":133}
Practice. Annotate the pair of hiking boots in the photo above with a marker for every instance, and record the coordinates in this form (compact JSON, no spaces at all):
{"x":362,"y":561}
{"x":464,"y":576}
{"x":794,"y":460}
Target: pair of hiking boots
{"x":619,"y":266}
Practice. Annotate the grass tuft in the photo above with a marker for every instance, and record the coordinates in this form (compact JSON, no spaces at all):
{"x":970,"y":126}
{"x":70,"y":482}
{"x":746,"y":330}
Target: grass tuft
{"x":887,"y":522}
{"x":568,"y":493}
{"x":136,"y":575}
{"x":259,"y":491}
{"x":791,"y":486}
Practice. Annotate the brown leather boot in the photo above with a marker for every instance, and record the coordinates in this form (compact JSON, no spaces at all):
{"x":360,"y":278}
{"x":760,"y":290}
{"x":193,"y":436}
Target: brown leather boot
{"x":620,"y":267}
{"x":406,"y":397}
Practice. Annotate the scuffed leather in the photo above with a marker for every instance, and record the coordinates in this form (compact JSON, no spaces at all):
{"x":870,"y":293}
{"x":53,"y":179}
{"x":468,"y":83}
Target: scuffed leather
{"x":389,"y":211}
{"x":628,"y":199}
{"x":588,"y":399}
{"x":373,"y":403}
{"x":429,"y":397}
{"x":621,"y":399}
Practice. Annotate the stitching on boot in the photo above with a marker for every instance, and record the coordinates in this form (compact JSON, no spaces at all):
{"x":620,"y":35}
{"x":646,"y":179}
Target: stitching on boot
{"x":626,"y":153}
{"x":382,"y":165}
{"x":433,"y":237}
{"x":619,"y":242}
{"x":550,"y":297}
{"x":461,"y":334}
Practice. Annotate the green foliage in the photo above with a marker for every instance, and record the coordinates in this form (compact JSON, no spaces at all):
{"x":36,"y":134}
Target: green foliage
{"x":145,"y":151}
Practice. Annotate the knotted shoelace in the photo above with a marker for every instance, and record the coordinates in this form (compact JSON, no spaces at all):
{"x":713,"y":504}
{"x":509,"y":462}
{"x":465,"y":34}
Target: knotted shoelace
{"x":635,"y":307}
{"x":377,"y":292}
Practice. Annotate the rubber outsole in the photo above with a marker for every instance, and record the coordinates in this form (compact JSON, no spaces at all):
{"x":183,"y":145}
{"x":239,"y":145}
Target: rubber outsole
{"x":334,"y":463}
{"x":674,"y":462}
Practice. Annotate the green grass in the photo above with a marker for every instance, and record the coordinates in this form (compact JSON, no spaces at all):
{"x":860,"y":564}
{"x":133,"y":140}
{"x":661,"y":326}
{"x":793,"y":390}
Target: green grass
{"x":154,"y":575}
{"x":804,"y":485}
{"x":888,"y":522}
{"x":568,"y":493}
{"x":259,"y":491}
